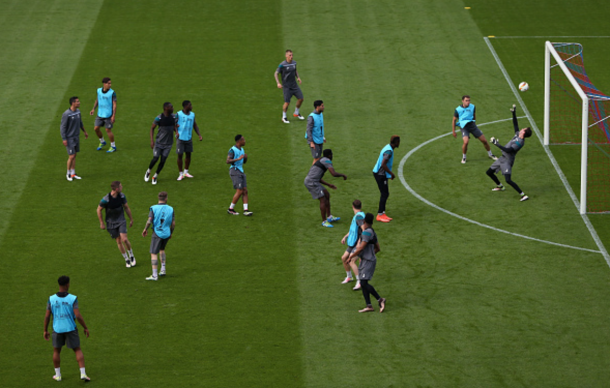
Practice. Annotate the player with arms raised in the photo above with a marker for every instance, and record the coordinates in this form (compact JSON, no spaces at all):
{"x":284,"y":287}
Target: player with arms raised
{"x":507,"y":160}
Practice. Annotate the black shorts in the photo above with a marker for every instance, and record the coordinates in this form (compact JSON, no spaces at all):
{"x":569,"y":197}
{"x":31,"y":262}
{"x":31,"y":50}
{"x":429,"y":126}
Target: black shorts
{"x":70,"y":339}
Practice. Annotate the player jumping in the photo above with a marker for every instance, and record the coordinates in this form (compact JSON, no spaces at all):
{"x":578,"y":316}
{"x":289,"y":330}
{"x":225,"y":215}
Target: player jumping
{"x":506,"y":161}
{"x":465,"y":116}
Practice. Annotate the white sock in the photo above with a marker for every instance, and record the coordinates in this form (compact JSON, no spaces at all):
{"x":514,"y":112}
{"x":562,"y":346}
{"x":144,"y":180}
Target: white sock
{"x":162,"y":267}
{"x":57,"y":372}
{"x":72,"y":172}
{"x":130,"y":252}
{"x":232,"y":205}
{"x":349,"y":274}
{"x":186,"y":171}
{"x":284,"y":114}
{"x":68,"y":172}
{"x":102,"y":140}
{"x":154,"y":273}
{"x":112,"y":144}
{"x":148,"y":171}
{"x":245,"y":206}
{"x":489,"y":153}
{"x":125,"y":256}
{"x":296,"y":110}
{"x":181,"y":173}
{"x":464,"y":156}
{"x":82,"y":372}
{"x":154,"y":176}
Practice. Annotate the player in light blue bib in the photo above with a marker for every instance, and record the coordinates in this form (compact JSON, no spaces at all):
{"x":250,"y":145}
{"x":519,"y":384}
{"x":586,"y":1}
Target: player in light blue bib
{"x":351,"y":239}
{"x":105,"y":102}
{"x":161,"y":217}
{"x":184,"y":144}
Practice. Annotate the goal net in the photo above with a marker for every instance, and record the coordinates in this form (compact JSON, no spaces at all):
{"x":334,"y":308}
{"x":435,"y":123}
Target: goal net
{"x":577,"y":113}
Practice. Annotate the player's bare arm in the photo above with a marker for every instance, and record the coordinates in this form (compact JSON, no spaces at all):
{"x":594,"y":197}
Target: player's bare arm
{"x":94,"y":106}
{"x":377,"y":248}
{"x":229,"y":160}
{"x":99,"y":216}
{"x":344,"y":238}
{"x":47,"y":319}
{"x":128,"y":211}
{"x":113,"y":111}
{"x":328,"y":184}
{"x":83,"y":129}
{"x":197,"y":130}
{"x":148,"y":224}
{"x":296,"y":72}
{"x":277,"y":81}
{"x":152,"y":135}
{"x":81,"y":320}
{"x":359,"y":248}
{"x":335,"y":173}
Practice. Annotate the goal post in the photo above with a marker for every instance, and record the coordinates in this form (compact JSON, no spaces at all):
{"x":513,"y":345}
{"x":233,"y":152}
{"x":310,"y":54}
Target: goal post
{"x":575,"y":113}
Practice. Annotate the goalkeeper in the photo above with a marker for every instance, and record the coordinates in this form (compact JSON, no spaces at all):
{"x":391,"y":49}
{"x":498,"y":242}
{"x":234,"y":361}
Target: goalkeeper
{"x":506,"y":161}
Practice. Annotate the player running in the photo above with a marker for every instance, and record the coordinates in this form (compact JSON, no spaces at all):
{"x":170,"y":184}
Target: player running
{"x":351,"y":238}
{"x":315,"y":130}
{"x":290,"y":76}
{"x":236,"y":158}
{"x":166,"y":122}
{"x":367,"y":249}
{"x":64,"y":309}
{"x":163,"y":220}
{"x":507,"y":160}
{"x":71,"y":124}
{"x":184,"y":144}
{"x":116,"y":206}
{"x":106,"y":111}
{"x":382,"y":172}
{"x":313,"y":182}
{"x":465,"y":116}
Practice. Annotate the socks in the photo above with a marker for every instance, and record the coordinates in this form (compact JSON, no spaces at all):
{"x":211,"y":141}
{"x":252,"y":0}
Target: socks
{"x":232,"y":205}
{"x":125,"y":256}
{"x":464,"y":155}
{"x":489,"y":153}
{"x":296,"y":110}
{"x":284,"y":114}
{"x":57,"y":372}
{"x":349,"y":274}
{"x":155,"y":273}
{"x":130,"y":252}
{"x":245,"y":206}
{"x":186,"y":171}
{"x":155,"y":176}
{"x":113,"y":145}
{"x":102,"y":140}
{"x":163,"y":267}
{"x":181,"y":173}
{"x":82,"y":372}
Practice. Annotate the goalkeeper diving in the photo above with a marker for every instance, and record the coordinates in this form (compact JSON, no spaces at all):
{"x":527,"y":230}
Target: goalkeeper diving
{"x":506,"y":161}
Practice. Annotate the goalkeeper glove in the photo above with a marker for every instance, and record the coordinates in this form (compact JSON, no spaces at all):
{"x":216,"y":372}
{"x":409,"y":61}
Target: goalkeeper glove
{"x":494,"y":141}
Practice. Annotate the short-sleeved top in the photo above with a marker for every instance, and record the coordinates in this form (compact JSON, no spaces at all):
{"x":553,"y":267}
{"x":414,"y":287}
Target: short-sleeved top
{"x":185,"y":125}
{"x":162,"y":217}
{"x":370,"y":237}
{"x":354,"y":229}
{"x":465,"y":115}
{"x":167,"y":125}
{"x":288,"y":71}
{"x":62,"y":306}
{"x":115,"y":215}
{"x":71,"y":123}
{"x":104,"y":102}
{"x":235,"y":153}
{"x":317,"y":171}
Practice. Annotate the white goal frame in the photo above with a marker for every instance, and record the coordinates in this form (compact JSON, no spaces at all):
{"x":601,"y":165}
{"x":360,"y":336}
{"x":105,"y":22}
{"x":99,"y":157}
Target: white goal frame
{"x":548,"y":51}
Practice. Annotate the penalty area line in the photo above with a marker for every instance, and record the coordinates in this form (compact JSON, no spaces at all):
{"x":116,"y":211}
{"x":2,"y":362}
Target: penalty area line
{"x":424,"y":200}
{"x":564,"y":180}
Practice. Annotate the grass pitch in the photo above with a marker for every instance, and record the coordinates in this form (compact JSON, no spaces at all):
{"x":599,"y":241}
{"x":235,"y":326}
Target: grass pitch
{"x":257,"y":301}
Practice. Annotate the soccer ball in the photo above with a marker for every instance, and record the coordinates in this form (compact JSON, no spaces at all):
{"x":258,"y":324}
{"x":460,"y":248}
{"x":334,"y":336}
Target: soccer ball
{"x":523,"y":86}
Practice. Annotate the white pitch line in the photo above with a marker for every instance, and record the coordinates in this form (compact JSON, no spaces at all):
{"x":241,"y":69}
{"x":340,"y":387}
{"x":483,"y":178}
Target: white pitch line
{"x":546,"y":37}
{"x":424,"y":200}
{"x":584,"y":217}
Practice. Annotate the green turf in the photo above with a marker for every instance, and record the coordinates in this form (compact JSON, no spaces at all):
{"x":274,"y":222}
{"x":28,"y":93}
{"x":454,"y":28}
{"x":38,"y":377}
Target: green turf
{"x":257,"y":301}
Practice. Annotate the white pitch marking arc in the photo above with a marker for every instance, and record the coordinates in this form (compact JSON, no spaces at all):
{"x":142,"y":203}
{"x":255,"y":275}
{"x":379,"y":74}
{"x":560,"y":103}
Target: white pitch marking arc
{"x":424,"y":200}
